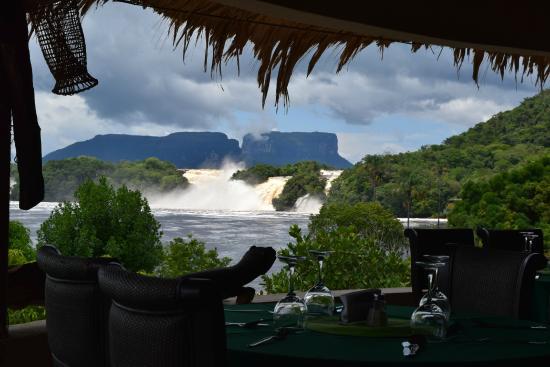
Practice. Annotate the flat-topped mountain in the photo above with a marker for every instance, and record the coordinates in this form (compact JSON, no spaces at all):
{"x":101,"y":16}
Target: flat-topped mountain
{"x":280,"y":148}
{"x":209,"y":149}
{"x":184,"y":149}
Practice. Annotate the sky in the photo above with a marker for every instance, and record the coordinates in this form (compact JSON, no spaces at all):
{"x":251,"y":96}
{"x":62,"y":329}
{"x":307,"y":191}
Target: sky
{"x":387,"y":103}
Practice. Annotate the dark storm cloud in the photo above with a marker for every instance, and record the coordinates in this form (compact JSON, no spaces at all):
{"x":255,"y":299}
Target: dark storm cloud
{"x":143,"y":80}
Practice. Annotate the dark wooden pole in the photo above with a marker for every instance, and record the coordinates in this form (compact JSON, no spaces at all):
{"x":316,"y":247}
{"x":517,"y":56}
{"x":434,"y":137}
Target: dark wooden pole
{"x":5,"y":141}
{"x":7,"y":11}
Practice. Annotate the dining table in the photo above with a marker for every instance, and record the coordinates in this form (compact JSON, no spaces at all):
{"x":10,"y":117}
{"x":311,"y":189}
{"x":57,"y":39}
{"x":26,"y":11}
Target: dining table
{"x":472,"y":340}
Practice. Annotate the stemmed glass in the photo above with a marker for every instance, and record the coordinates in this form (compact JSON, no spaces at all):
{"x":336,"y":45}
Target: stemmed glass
{"x":529,"y":237}
{"x":291,"y":310}
{"x":429,"y":317}
{"x":436,"y":295}
{"x":319,"y":299}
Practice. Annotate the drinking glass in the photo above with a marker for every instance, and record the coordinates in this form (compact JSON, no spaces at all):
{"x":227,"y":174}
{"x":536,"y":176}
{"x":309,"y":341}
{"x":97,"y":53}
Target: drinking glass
{"x":436,"y":295}
{"x":429,"y":318}
{"x":528,"y":237}
{"x":319,"y":299}
{"x":291,"y":310}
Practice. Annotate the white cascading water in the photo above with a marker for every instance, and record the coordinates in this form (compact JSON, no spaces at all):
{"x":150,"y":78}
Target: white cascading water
{"x":312,"y":204}
{"x":330,"y":176}
{"x":213,"y":189}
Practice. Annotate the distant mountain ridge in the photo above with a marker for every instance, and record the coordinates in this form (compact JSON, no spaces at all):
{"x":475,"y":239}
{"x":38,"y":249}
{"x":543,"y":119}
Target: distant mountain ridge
{"x":209,"y":149}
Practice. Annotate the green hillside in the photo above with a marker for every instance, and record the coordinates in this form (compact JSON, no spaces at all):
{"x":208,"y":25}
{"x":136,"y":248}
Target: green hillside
{"x":429,"y":180}
{"x":62,"y":177}
{"x":516,"y":199}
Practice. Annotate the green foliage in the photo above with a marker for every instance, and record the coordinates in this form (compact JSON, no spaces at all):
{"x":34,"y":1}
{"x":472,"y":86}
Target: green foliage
{"x":20,"y":249}
{"x":16,"y":257}
{"x":425,"y":182}
{"x":306,"y":179}
{"x":63,"y":177}
{"x":189,"y":256}
{"x":366,"y":220}
{"x":519,"y":198}
{"x":27,"y":314}
{"x":362,"y":257}
{"x":260,"y":173}
{"x":357,"y":262}
{"x":106,"y":221}
{"x":257,"y":174}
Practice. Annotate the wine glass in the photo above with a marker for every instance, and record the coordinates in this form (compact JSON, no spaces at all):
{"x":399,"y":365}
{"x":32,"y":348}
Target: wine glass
{"x":429,"y":318}
{"x":529,"y":237}
{"x":291,"y":310}
{"x":436,"y":295}
{"x":319,"y":299}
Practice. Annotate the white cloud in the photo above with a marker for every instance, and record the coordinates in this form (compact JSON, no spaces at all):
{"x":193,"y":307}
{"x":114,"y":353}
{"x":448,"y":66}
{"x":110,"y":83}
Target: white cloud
{"x":354,"y":146}
{"x":145,"y":88}
{"x":361,"y":99}
{"x":65,"y":120}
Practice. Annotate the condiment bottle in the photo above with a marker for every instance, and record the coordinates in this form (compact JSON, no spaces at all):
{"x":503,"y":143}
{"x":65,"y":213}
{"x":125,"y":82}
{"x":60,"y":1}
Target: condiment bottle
{"x":377,"y":313}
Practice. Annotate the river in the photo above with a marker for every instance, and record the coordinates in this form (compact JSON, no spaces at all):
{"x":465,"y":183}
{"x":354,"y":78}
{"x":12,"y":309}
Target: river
{"x":225,"y":214}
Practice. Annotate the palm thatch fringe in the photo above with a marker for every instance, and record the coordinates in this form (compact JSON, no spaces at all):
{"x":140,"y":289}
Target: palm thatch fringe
{"x":279,"y":44}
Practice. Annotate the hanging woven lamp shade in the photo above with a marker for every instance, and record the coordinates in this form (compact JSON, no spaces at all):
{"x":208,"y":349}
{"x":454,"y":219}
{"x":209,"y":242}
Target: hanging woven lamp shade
{"x":59,"y":32}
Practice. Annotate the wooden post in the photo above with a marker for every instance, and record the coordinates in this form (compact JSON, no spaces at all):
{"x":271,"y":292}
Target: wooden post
{"x":6,"y":34}
{"x":5,"y":142}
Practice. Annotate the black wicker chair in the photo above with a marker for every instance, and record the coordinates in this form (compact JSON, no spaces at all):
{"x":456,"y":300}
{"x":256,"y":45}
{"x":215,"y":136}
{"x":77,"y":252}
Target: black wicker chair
{"x":163,"y":322}
{"x":510,"y":239}
{"x":76,"y":309}
{"x":231,"y":280}
{"x":424,"y":241}
{"x":493,"y":282}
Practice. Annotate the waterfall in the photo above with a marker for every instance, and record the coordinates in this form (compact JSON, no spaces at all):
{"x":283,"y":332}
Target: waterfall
{"x":213,"y":189}
{"x":311,"y":204}
{"x":330,"y":176}
{"x":271,"y":189}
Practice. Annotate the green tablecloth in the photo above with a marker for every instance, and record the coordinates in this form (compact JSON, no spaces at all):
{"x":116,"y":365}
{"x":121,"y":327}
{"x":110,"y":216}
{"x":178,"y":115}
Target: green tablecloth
{"x":504,"y":345}
{"x":540,"y":310}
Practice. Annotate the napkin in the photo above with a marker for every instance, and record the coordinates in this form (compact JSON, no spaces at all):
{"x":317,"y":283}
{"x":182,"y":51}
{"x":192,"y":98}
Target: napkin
{"x":357,"y":305}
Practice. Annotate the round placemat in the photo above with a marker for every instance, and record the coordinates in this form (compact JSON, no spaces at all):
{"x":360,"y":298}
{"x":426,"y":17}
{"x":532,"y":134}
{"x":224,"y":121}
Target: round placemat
{"x":332,"y":325}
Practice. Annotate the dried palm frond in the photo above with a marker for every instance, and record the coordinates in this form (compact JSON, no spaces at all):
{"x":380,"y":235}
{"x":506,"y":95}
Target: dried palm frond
{"x":279,"y":44}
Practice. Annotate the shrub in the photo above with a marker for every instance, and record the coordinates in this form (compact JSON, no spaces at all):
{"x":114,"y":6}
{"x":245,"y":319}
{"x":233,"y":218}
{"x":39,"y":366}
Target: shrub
{"x":367,"y":244}
{"x":356,"y":262}
{"x":189,"y":256}
{"x":104,"y":221}
{"x":27,"y":314}
{"x":21,"y":249}
{"x":366,"y":220}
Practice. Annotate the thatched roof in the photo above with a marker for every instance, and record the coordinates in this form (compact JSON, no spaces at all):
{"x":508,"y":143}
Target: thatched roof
{"x":283,"y":32}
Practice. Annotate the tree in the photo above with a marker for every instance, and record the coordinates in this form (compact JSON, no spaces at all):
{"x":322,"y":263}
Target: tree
{"x":367,"y":244}
{"x":366,"y":220}
{"x":515,"y":199}
{"x":356,"y":262}
{"x":104,"y":221}
{"x":189,"y":256}
{"x":506,"y":140}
